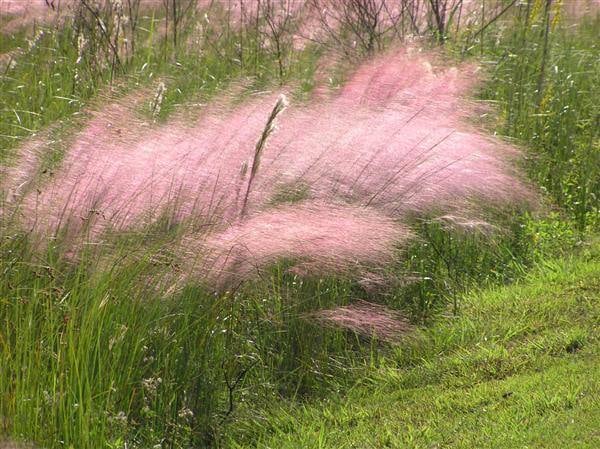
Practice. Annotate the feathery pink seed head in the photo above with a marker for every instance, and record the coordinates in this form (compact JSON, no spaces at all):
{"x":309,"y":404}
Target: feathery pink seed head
{"x":392,"y":143}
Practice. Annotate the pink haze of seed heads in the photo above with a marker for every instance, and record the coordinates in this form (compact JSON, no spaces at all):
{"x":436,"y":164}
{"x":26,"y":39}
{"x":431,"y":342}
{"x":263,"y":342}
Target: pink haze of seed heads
{"x":22,"y":13}
{"x":366,"y":318}
{"x":320,"y":238}
{"x":393,"y":142}
{"x":14,"y":7}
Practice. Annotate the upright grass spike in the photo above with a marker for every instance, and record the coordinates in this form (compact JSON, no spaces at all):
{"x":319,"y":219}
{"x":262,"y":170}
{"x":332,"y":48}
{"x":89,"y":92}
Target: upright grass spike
{"x":280,"y":105}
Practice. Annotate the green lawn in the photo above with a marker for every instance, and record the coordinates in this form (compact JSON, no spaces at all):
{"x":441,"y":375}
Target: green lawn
{"x":519,"y":367}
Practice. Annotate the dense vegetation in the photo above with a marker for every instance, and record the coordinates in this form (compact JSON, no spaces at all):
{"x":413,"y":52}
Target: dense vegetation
{"x":96,"y":353}
{"x":514,"y":369}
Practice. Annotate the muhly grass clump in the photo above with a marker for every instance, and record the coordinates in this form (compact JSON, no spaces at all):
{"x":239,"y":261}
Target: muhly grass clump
{"x":368,"y":319}
{"x":367,"y":158}
{"x":320,"y":238}
{"x":370,"y":147}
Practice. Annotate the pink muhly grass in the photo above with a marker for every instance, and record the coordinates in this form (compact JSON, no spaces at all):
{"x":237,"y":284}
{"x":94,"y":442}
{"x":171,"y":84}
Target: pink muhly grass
{"x":393,"y":139}
{"x":19,"y":7}
{"x":392,"y":143}
{"x":24,"y":13}
{"x":319,"y":239}
{"x":367,"y":319}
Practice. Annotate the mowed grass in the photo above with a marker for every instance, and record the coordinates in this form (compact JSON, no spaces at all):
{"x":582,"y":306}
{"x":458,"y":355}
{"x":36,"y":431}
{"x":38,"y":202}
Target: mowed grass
{"x":518,"y":368}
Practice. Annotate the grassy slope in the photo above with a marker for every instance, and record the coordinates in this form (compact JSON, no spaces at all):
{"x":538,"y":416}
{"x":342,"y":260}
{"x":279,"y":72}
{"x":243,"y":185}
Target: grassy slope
{"x":518,"y":368}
